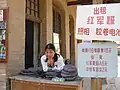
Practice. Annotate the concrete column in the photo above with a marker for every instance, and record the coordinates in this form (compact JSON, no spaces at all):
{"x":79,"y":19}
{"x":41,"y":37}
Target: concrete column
{"x":16,"y":36}
{"x":63,"y":35}
{"x":46,"y":24}
{"x":3,"y":4}
{"x":67,"y":34}
{"x":72,"y":17}
{"x":35,"y":54}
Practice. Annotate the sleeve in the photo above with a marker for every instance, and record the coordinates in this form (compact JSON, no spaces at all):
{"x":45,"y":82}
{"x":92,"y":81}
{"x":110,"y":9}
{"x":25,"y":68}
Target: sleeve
{"x":59,"y":64}
{"x":44,"y":64}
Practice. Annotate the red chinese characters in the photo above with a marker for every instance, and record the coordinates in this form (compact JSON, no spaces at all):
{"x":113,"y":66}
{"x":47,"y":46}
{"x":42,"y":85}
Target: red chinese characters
{"x":90,"y":20}
{"x":118,"y":32}
{"x":100,"y":20}
{"x":99,"y":10}
{"x":96,"y":69}
{"x":98,"y":31}
{"x":83,"y":31}
{"x":96,"y":50}
{"x":110,"y":19}
{"x":100,"y":57}
{"x":107,"y":32}
{"x":99,"y":17}
{"x":112,"y":32}
{"x":96,"y":11}
{"x":97,"y":63}
{"x":92,"y":57}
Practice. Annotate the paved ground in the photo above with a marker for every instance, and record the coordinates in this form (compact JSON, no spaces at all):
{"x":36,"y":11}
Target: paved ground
{"x":113,"y":83}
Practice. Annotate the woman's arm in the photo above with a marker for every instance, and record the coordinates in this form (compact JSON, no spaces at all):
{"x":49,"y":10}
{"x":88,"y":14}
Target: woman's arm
{"x":59,"y":64}
{"x":44,"y":64}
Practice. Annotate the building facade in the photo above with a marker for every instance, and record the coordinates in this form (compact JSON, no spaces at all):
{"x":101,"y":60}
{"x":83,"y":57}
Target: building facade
{"x":31,"y":24}
{"x":35,"y":24}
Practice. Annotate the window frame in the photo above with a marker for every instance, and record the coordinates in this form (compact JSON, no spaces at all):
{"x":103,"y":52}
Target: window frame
{"x":5,"y":19}
{"x":36,"y":10}
{"x":57,"y":25}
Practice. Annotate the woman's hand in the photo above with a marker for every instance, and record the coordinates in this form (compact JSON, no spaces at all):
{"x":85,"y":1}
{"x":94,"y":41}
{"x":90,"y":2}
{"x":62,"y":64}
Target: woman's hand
{"x":51,"y":62}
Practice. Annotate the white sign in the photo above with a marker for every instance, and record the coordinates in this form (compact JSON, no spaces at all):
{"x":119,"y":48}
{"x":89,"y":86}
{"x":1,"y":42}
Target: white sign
{"x":98,"y":22}
{"x":1,"y":15}
{"x":97,"y":60}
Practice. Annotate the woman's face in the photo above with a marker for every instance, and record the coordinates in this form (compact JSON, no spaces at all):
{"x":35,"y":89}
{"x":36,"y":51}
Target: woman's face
{"x":49,"y":53}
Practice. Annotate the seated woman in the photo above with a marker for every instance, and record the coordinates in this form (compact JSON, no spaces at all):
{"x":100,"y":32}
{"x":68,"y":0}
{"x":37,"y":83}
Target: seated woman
{"x":51,"y":60}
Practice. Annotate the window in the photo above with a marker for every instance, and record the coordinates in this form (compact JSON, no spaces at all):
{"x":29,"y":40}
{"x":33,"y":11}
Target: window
{"x":32,"y":8}
{"x":3,"y":35}
{"x":56,"y":29}
{"x":118,"y":43}
{"x":33,"y":16}
{"x":2,"y":40}
{"x":56,"y":22}
{"x":56,"y":42}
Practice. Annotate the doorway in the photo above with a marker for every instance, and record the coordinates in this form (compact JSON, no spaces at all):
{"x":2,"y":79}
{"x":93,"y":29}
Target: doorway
{"x":29,"y":44}
{"x":72,"y":39}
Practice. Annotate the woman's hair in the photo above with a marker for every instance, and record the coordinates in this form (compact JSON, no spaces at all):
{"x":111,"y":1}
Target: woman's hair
{"x":51,"y":46}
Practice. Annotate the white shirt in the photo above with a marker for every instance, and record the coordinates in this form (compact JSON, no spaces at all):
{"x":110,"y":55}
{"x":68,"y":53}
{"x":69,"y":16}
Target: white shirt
{"x":59,"y":64}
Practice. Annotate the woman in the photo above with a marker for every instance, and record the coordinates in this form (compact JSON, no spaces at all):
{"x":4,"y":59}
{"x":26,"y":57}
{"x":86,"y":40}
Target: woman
{"x":51,"y":60}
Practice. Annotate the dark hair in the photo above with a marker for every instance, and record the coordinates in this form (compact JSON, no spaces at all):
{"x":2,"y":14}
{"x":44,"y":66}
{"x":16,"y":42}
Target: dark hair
{"x":51,"y":46}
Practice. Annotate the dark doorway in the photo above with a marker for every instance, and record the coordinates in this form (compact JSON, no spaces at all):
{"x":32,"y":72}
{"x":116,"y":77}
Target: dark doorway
{"x":29,"y":44}
{"x":72,"y":39}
